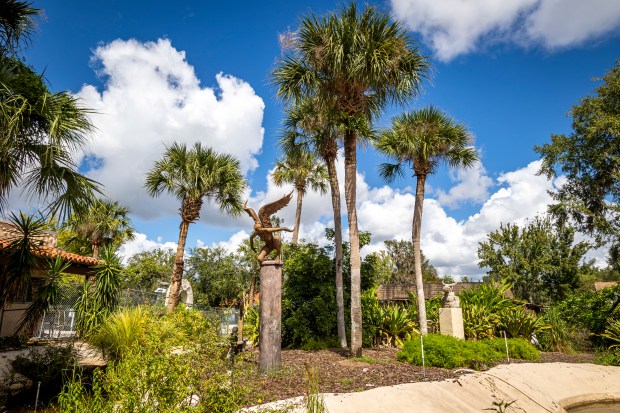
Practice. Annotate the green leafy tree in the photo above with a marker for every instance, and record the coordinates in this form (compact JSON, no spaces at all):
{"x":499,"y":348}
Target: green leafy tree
{"x":104,"y":223}
{"x":353,"y":63}
{"x":589,"y":159}
{"x":216,"y":280}
{"x":39,"y":130}
{"x":309,"y":126}
{"x":300,"y":168}
{"x":398,"y":261}
{"x":146,"y":269}
{"x":541,"y":261}
{"x":423,"y":139}
{"x":308,"y":296}
{"x":191,"y":175}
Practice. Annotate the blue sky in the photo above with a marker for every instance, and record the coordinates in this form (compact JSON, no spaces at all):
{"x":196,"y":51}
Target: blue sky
{"x":194,"y":70}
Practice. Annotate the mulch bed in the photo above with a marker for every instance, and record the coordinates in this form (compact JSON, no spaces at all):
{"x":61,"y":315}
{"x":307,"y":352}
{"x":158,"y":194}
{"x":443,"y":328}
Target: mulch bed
{"x":338,"y":373}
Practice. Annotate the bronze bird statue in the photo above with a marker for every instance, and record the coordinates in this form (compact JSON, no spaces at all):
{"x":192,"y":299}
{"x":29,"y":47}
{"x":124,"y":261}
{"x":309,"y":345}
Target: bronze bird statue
{"x":263,"y":228}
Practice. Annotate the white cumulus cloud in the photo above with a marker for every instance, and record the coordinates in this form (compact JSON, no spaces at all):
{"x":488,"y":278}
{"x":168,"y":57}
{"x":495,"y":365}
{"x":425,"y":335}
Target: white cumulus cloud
{"x":456,"y":27}
{"x":151,"y":97}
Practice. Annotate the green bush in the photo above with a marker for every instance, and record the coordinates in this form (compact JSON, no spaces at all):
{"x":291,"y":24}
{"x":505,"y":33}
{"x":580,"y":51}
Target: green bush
{"x":308,"y":296}
{"x":516,"y":322}
{"x":251,"y":325}
{"x":121,"y":331}
{"x":313,"y":345}
{"x":589,"y":309}
{"x":450,"y":352}
{"x":372,"y":317}
{"x":47,"y":365}
{"x":560,"y":336}
{"x":609,"y":357}
{"x":173,"y":359}
{"x":396,"y":325}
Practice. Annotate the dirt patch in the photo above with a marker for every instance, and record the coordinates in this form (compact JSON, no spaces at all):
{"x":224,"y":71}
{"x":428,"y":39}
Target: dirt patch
{"x":339,"y":373}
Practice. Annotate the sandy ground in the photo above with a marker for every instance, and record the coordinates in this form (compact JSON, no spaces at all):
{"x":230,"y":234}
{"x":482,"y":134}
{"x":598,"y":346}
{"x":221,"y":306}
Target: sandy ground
{"x":531,"y":387}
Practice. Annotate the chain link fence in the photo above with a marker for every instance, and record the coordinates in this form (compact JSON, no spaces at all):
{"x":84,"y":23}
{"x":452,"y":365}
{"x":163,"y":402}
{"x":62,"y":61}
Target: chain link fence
{"x":59,"y":321}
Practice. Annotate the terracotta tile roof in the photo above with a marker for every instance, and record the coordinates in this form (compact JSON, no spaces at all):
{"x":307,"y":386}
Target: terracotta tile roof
{"x":49,"y":252}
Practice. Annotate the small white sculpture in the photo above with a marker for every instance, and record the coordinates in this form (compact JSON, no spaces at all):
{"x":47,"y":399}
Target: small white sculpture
{"x":449,"y":300}
{"x":186,"y":294}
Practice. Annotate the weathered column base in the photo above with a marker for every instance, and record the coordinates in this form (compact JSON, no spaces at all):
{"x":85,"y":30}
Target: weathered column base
{"x":451,"y":322}
{"x":270,"y":340}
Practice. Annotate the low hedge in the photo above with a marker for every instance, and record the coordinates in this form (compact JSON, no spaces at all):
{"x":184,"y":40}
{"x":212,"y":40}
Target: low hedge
{"x":451,"y":352}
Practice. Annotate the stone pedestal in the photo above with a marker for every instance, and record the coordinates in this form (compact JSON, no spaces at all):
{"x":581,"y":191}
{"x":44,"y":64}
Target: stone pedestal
{"x":451,"y":322}
{"x":270,"y":341}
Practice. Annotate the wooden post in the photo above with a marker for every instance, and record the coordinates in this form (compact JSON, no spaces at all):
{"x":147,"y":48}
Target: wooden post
{"x":270,"y":357}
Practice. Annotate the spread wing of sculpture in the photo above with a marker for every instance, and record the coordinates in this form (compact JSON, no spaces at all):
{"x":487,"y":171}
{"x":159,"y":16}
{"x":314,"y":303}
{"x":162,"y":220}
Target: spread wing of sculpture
{"x":263,"y":228}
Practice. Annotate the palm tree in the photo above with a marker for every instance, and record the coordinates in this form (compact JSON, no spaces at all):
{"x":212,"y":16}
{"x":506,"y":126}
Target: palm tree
{"x":191,"y":175}
{"x":16,"y":24}
{"x":39,"y":130}
{"x":104,"y":223}
{"x":423,"y":139}
{"x":300,"y":168}
{"x":353,"y":63}
{"x":309,"y":127}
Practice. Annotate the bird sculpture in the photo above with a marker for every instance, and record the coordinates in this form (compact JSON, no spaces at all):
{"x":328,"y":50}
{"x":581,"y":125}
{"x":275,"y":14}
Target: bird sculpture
{"x":264,"y":229}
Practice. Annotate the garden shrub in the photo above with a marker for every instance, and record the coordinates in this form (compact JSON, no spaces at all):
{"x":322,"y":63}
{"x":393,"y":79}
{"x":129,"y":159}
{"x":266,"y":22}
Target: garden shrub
{"x":251,"y":325}
{"x":451,"y":352}
{"x":308,"y":296}
{"x":561,"y":336}
{"x":371,"y":318}
{"x":47,"y":365}
{"x":397,"y":325}
{"x":589,"y":309}
{"x":173,"y":360}
{"x":516,"y":322}
{"x":609,"y":357}
{"x":313,"y":345}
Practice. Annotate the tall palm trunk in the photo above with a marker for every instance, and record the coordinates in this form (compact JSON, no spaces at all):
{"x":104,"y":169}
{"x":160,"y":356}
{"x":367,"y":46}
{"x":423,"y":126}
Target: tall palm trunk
{"x":417,"y":259}
{"x":300,"y":195}
{"x":350,"y":188}
{"x":252,"y":289}
{"x":335,"y":190}
{"x":177,"y":272}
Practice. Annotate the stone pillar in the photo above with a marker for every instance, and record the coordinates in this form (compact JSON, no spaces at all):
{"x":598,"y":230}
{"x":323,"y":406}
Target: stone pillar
{"x":270,"y":341}
{"x":451,"y":322}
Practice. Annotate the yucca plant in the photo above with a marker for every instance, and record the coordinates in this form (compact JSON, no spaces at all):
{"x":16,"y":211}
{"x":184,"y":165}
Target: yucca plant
{"x":48,"y":295}
{"x":99,"y":300}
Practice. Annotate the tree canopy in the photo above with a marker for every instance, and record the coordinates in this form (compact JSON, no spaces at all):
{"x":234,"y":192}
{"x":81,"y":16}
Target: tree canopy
{"x":540,"y":260}
{"x":589,"y":159}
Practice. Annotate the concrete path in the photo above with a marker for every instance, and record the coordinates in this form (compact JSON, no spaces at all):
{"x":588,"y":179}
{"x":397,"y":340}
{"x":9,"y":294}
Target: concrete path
{"x":550,"y":387}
